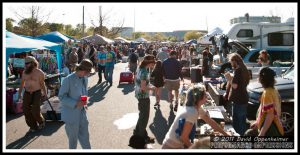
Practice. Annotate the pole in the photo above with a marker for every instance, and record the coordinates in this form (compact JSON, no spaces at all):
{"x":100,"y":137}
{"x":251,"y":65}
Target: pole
{"x":134,"y":24}
{"x":83,"y":21}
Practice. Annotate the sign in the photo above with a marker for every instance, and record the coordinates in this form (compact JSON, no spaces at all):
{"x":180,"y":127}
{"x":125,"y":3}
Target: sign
{"x":17,"y":62}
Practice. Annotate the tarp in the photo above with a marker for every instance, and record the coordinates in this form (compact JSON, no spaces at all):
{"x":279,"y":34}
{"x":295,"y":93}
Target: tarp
{"x":122,"y":40}
{"x":55,"y":37}
{"x":19,"y":44}
{"x":205,"y":39}
{"x":97,"y":39}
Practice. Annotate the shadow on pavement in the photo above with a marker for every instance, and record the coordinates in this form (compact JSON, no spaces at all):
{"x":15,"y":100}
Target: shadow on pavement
{"x":50,"y":128}
{"x":97,"y":92}
{"x":159,"y":127}
{"x":10,"y":116}
{"x":171,"y":118}
{"x":127,"y":88}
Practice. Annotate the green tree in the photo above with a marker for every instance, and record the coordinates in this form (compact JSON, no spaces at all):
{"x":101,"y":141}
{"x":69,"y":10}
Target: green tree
{"x":191,"y":35}
{"x":56,"y":27}
{"x":158,"y":37}
{"x":68,"y":30}
{"x":31,"y":27}
{"x":138,"y":35}
{"x":172,"y":38}
{"x":9,"y":24}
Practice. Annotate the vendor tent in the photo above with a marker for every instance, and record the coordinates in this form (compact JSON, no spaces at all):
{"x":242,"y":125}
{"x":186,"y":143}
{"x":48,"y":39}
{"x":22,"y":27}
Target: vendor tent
{"x":205,"y":39}
{"x":19,"y":44}
{"x":141,"y":40}
{"x":122,"y":40}
{"x":55,"y":37}
{"x":97,"y":39}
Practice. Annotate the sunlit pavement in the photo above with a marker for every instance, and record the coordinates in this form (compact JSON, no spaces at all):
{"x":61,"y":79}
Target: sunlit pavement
{"x":112,"y":115}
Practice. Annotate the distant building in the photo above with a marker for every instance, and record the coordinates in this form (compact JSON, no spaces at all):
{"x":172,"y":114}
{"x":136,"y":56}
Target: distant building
{"x":256,"y":19}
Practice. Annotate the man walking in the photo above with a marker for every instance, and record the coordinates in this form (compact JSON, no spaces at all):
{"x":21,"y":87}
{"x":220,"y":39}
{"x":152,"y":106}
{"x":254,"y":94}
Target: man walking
{"x":172,"y":73}
{"x":33,"y":80}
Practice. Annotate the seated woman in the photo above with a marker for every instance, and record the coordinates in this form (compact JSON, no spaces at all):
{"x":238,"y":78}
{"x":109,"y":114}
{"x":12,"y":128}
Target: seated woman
{"x":268,"y":119}
{"x":264,"y":58}
{"x":196,"y":97}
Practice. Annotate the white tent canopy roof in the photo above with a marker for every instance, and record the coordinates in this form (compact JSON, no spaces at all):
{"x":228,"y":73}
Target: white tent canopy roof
{"x":205,"y":39}
{"x":120,"y":39}
{"x":98,"y":39}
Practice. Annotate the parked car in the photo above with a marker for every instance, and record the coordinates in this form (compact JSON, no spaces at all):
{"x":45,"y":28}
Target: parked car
{"x":276,"y":55}
{"x":285,"y":86}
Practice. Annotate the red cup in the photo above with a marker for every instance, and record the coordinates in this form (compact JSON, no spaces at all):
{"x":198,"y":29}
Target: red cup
{"x":83,"y":98}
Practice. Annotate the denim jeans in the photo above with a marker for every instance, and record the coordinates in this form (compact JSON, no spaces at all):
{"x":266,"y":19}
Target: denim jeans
{"x":144,"y":111}
{"x":239,"y":115}
{"x":100,"y":70}
{"x":109,"y":73}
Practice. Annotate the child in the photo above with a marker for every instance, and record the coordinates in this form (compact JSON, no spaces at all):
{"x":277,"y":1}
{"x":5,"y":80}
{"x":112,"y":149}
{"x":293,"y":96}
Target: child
{"x":157,"y":74}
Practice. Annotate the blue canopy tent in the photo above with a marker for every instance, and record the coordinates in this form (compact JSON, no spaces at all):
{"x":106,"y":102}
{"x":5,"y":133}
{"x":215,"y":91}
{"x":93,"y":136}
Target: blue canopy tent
{"x":54,"y":37}
{"x":19,"y":44}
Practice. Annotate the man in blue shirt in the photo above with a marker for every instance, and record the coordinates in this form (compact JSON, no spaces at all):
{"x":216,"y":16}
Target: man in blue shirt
{"x":172,"y":73}
{"x":109,"y":65}
{"x":73,"y":108}
{"x":101,"y":61}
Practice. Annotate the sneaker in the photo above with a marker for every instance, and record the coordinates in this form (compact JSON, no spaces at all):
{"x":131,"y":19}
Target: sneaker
{"x":149,"y":140}
{"x":157,"y":104}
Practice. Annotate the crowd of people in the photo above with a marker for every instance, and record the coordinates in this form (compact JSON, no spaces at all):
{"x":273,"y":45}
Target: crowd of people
{"x":153,"y":68}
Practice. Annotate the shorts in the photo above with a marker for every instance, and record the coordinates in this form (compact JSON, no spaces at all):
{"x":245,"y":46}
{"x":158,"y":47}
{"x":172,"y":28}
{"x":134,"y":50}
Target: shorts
{"x":172,"y":84}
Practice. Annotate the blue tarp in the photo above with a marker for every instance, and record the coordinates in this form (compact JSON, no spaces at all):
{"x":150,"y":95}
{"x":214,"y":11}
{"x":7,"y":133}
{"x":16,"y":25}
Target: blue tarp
{"x":19,"y":44}
{"x":55,"y":37}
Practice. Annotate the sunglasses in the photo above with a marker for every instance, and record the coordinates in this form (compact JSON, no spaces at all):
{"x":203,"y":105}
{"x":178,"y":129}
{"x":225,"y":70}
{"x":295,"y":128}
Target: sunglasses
{"x":27,"y":63}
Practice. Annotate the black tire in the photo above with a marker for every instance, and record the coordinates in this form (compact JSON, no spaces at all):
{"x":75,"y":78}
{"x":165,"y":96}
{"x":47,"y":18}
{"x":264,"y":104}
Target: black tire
{"x":287,"y":118}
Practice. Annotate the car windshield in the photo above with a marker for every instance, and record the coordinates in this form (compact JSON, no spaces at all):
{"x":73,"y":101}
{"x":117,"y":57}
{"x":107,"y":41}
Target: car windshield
{"x":289,"y":74}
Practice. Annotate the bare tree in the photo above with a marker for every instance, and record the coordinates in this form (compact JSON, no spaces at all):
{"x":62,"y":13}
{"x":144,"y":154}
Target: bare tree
{"x":32,"y":20}
{"x":103,"y":20}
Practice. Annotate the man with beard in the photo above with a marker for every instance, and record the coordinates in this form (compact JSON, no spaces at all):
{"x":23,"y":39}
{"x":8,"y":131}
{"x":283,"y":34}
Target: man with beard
{"x":33,"y":80}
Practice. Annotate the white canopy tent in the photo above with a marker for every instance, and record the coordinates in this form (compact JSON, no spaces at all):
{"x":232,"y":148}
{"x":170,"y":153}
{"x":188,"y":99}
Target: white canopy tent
{"x":141,"y":40}
{"x":205,"y":39}
{"x":97,"y":39}
{"x":122,"y":40}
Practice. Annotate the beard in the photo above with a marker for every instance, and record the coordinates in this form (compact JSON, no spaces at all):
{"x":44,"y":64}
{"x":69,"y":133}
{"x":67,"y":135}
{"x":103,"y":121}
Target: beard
{"x":29,"y":69}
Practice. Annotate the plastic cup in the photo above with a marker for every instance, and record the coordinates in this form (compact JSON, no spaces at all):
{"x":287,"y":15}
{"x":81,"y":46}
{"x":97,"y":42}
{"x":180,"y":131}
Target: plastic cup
{"x":83,"y":98}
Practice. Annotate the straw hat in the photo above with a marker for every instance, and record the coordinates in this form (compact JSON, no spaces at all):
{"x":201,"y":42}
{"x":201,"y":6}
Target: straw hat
{"x":85,"y":65}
